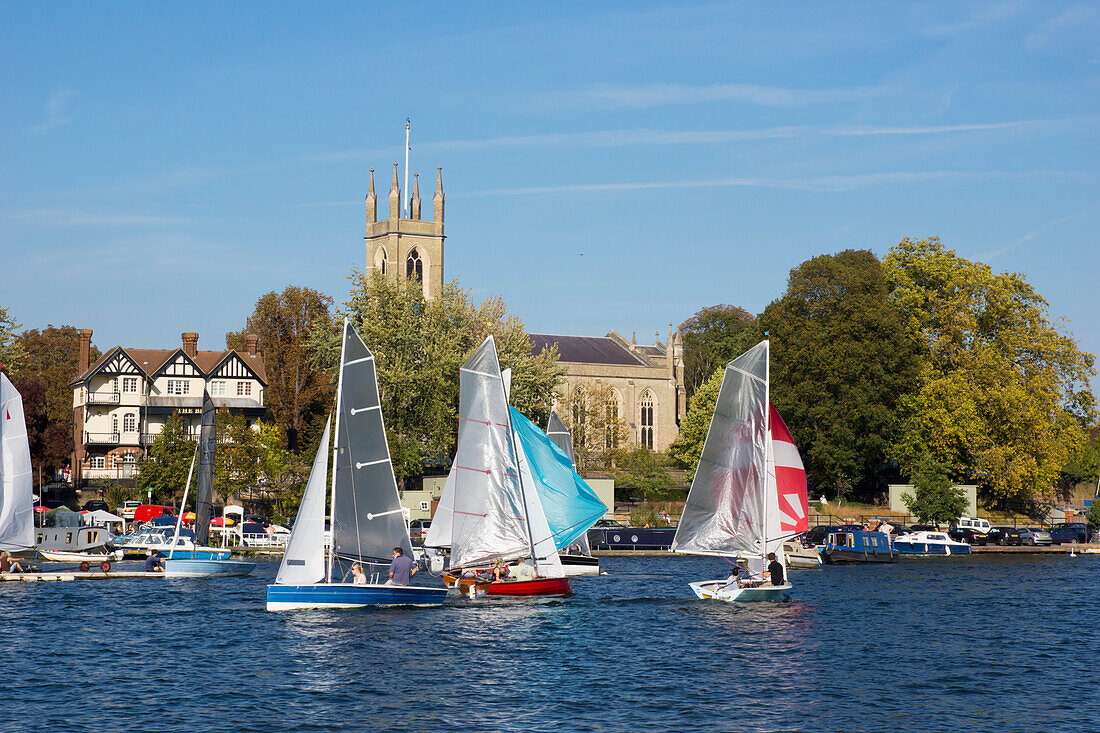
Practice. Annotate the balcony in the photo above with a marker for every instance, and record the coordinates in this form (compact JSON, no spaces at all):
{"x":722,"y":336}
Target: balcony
{"x":103,"y":398}
{"x":101,"y":438}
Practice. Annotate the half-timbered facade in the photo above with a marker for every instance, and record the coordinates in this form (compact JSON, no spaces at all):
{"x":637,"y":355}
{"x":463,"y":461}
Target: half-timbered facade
{"x":121,"y":402}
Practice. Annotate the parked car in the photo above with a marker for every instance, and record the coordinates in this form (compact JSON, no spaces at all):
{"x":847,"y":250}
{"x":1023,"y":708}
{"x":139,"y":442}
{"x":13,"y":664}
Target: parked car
{"x":1028,"y":536}
{"x":999,"y":535}
{"x":968,"y":535}
{"x":126,"y":511}
{"x":1070,"y":532}
{"x":96,"y":505}
{"x":418,"y":530}
{"x":601,"y":523}
{"x":145,"y":512}
{"x":982,"y":525}
{"x":816,"y":535}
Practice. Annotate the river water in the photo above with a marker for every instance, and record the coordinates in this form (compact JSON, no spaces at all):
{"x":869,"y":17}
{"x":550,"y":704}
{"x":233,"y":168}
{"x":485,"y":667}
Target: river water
{"x":986,"y":643}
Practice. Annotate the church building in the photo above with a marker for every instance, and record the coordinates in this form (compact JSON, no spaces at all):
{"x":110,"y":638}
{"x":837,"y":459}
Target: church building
{"x":646,"y":381}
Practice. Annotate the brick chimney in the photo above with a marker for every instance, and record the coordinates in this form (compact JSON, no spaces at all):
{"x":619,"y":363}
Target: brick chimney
{"x":252,"y":341}
{"x":190,"y":343}
{"x":85,"y":350}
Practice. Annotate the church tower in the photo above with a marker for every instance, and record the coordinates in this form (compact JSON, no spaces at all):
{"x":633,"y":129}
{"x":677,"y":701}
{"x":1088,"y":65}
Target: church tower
{"x":407,"y":250}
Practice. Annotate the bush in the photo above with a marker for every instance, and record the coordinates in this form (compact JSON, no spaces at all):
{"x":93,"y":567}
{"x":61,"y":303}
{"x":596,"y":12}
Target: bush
{"x":643,"y":517}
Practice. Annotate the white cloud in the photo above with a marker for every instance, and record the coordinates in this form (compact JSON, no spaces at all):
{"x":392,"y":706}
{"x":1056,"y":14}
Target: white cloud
{"x":1020,"y":241}
{"x":65,"y":218}
{"x":56,"y":115}
{"x":606,"y":97}
{"x":980,"y":18}
{"x":1074,"y":16}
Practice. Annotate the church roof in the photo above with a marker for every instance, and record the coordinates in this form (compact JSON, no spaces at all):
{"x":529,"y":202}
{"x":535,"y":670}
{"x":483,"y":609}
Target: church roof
{"x":585,"y":349}
{"x":651,"y":350}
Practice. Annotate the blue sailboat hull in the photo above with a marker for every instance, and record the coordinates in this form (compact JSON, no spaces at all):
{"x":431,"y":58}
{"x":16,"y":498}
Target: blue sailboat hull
{"x":190,"y":568}
{"x":346,"y":595}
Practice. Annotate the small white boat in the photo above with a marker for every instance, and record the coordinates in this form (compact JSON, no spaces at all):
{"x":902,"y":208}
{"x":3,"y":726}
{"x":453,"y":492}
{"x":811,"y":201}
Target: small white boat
{"x":748,"y":496}
{"x":804,"y":558}
{"x":929,"y":544}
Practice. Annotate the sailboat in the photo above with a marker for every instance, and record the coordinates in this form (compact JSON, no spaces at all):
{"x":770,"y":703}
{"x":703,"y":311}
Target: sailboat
{"x":199,"y":561}
{"x":16,"y":498}
{"x":366,"y":516}
{"x":749,"y":491}
{"x":493,"y":510}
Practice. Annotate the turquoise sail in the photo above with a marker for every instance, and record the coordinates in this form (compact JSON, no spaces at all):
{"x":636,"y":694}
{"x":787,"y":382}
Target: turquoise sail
{"x":570,"y":505}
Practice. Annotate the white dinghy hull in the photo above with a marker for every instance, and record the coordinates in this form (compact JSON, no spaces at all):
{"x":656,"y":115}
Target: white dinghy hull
{"x":724,"y":590}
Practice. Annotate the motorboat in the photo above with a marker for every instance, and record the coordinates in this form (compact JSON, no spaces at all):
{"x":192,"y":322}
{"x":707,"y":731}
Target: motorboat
{"x":930,"y":544}
{"x":800,"y":557}
{"x":857,"y":546}
{"x":182,"y":547}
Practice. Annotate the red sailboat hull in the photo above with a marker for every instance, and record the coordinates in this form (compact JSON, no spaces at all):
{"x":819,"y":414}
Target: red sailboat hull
{"x":537,"y":587}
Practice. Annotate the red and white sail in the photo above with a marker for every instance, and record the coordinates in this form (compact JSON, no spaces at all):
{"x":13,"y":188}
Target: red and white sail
{"x":788,"y":504}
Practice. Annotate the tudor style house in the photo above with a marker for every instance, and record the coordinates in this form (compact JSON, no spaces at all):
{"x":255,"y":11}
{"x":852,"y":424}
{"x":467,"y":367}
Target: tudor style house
{"x":121,"y":402}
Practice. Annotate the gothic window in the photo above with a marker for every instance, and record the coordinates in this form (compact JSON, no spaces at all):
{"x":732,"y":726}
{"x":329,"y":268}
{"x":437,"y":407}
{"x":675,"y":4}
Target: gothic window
{"x":578,"y":422}
{"x":129,"y":423}
{"x":646,"y":419}
{"x":414,"y":267}
{"x":380,"y":260}
{"x":611,"y":429}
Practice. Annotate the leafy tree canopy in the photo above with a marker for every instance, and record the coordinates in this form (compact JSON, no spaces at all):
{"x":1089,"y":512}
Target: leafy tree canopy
{"x":165,"y":469}
{"x":1002,"y":394}
{"x":299,"y":395}
{"x":591,"y":413}
{"x":640,"y":472}
{"x":419,"y":345}
{"x":841,"y":361}
{"x":11,"y":352}
{"x":712,"y":337}
{"x":688,"y":446}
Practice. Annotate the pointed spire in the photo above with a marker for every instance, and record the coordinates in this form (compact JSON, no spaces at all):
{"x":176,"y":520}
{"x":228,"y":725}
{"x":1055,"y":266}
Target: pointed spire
{"x":372,"y":201}
{"x":414,"y":202}
{"x":633,"y":337}
{"x":395,"y":196}
{"x":437,"y":200}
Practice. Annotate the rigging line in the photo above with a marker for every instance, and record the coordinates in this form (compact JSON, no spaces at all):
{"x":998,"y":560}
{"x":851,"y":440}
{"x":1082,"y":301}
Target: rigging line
{"x":750,"y":375}
{"x":481,"y":374}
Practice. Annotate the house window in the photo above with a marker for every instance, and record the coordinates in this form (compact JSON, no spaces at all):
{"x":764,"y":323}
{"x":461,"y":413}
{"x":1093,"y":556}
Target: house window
{"x":611,"y":430}
{"x":129,"y":423}
{"x":129,"y":459}
{"x":177,"y":387}
{"x":380,"y":260}
{"x":114,"y":424}
{"x":425,"y":506}
{"x":244,"y":389}
{"x":646,"y":419}
{"x":217,"y":388}
{"x":130,"y":384}
{"x":97,"y":462}
{"x":414,"y":267}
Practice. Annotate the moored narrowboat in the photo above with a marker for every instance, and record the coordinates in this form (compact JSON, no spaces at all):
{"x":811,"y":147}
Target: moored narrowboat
{"x":857,"y":546}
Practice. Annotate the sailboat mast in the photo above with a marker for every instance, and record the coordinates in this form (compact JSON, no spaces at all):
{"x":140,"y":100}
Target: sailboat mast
{"x":183,"y":505}
{"x":768,"y":458}
{"x":335,"y":450}
{"x":407,"y":148}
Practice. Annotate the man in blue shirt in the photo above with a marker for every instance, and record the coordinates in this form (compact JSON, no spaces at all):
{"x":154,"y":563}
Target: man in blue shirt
{"x":153,"y":563}
{"x":402,"y":568}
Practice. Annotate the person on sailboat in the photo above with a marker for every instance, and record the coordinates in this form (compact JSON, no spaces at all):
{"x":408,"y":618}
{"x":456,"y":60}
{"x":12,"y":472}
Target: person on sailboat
{"x":153,"y":563}
{"x":8,"y":564}
{"x":522,"y":571}
{"x":357,"y":575}
{"x":401,"y":569}
{"x":500,"y":570}
{"x":775,"y":569}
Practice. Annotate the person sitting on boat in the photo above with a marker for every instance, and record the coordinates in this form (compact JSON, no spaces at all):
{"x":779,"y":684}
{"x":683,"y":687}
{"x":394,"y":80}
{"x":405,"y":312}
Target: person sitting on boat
{"x":522,"y":571}
{"x":358,"y":577}
{"x":153,"y":563}
{"x":499,"y":570}
{"x":8,"y":564}
{"x":401,"y":569}
{"x":775,"y":569}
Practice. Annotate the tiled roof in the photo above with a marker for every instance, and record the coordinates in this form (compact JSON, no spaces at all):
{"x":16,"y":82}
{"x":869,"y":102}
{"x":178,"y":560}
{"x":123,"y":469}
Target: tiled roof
{"x":654,"y":351}
{"x":150,"y":360}
{"x":585,"y":349}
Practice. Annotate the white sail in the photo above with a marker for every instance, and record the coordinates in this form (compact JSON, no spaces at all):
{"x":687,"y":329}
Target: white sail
{"x":16,"y":497}
{"x":304,"y":561}
{"x":439,"y":532}
{"x":726,"y":506}
{"x":488,"y":519}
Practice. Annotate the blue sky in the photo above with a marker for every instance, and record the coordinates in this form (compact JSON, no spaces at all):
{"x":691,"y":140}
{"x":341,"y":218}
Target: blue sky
{"x":613,"y":165}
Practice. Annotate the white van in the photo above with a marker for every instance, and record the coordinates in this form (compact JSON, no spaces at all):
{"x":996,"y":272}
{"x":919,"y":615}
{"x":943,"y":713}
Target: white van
{"x":980,"y":525}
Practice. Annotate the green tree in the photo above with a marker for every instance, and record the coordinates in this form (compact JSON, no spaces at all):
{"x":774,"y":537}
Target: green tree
{"x":237,"y":458}
{"x":641,"y":471}
{"x":841,"y":361}
{"x":419,"y":345}
{"x":934,"y":499}
{"x":712,"y":337}
{"x":1093,"y":517}
{"x":283,"y":474}
{"x":164,"y":471}
{"x":11,"y":352}
{"x":299,"y":395}
{"x":1002,"y":394}
{"x":688,"y":446}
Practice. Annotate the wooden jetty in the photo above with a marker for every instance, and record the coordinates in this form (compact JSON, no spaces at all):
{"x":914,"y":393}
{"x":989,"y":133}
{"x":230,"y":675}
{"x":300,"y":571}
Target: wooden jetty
{"x":64,"y":575}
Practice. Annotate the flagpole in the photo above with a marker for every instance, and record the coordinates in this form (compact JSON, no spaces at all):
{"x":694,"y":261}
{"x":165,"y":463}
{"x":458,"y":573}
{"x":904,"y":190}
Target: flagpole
{"x":405,"y":203}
